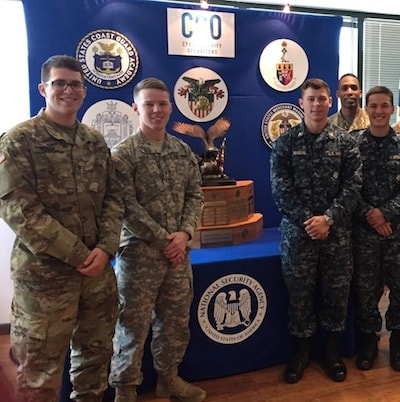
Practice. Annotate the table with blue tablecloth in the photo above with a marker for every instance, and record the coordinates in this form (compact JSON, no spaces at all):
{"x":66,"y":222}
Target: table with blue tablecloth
{"x":239,"y":314}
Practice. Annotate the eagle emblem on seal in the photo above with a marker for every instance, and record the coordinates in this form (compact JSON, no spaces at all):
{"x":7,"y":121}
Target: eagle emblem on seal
{"x":231,"y":310}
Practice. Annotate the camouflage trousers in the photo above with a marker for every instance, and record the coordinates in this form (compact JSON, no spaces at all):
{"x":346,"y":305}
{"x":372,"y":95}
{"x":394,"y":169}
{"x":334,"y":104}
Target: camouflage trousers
{"x":48,"y":317}
{"x":376,"y":263}
{"x":317,"y":274}
{"x":153,"y":294}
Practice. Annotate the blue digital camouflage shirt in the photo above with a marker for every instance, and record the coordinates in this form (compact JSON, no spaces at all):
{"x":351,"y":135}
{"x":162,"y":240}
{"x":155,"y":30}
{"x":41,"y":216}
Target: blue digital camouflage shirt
{"x":316,"y":174}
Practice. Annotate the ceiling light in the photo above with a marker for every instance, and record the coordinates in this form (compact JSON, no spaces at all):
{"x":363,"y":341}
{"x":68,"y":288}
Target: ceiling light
{"x":204,"y":4}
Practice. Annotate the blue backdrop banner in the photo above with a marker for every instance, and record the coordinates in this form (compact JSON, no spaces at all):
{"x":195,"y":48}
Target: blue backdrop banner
{"x":141,"y":29}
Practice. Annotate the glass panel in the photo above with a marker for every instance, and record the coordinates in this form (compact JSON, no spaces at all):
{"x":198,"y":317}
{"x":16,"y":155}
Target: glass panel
{"x":381,"y":56}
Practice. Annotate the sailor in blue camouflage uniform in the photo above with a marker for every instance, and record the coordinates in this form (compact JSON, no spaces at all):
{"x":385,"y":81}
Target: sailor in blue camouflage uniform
{"x":376,"y":230}
{"x":316,"y":181}
{"x":163,"y":200}
{"x":60,"y":195}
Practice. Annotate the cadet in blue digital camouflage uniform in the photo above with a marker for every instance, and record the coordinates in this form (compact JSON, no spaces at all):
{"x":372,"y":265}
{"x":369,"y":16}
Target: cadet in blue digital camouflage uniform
{"x":376,"y":230}
{"x":316,"y":181}
{"x":163,"y":200}
{"x":60,"y":195}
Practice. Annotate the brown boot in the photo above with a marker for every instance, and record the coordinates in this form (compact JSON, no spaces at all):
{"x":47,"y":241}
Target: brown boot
{"x":171,"y":385}
{"x":125,"y":394}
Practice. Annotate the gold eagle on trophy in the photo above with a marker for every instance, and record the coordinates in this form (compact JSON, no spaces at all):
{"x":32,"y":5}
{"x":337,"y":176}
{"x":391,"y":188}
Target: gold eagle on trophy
{"x":218,"y":129}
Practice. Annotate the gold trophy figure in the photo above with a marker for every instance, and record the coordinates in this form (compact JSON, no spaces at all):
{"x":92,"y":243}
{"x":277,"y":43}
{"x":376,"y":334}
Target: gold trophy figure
{"x":212,"y":163}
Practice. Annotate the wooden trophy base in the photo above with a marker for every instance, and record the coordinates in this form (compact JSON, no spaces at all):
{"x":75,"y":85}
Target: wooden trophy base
{"x":228,"y":235}
{"x":228,"y":216}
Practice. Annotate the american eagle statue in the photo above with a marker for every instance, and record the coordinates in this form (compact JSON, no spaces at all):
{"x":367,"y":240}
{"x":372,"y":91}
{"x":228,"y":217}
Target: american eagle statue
{"x":218,"y":129}
{"x":212,"y":163}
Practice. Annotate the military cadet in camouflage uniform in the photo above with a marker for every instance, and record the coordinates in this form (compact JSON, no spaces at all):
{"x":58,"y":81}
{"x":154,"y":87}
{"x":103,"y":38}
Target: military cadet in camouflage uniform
{"x":163,"y":199}
{"x":376,"y":230}
{"x":351,"y":116}
{"x":315,"y":175}
{"x":60,"y":195}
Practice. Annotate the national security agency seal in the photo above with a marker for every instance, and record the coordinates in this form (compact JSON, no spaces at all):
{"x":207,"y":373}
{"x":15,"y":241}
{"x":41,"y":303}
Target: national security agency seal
{"x":279,"y":119}
{"x":109,"y":59}
{"x":232,"y":308}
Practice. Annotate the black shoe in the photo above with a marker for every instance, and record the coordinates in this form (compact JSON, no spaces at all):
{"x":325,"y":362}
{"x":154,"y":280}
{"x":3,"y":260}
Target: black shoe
{"x":332,"y":361}
{"x":294,"y":370}
{"x":335,"y":368}
{"x":394,"y":346}
{"x":368,"y":352}
{"x":395,"y":359}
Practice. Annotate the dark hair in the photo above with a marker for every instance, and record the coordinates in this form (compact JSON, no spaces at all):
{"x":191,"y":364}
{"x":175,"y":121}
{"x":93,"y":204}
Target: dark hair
{"x":379,"y":90}
{"x":60,"y":61}
{"x":149,"y":83}
{"x":349,"y":75}
{"x":315,"y":83}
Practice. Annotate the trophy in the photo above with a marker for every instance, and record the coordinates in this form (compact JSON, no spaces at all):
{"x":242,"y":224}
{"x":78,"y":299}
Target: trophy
{"x":212,"y":162}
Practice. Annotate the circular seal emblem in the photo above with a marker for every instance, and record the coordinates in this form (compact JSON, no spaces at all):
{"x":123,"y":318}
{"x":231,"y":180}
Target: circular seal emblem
{"x":200,"y":94}
{"x":283,"y":65}
{"x":116,"y":120}
{"x":279,"y":119}
{"x":109,"y":59}
{"x":232,"y":308}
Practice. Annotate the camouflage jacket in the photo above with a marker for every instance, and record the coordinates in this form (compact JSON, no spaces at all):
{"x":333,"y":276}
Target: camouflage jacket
{"x":381,"y":176}
{"x":60,"y":196}
{"x":162,"y":191}
{"x":360,"y":122}
{"x":316,"y":178}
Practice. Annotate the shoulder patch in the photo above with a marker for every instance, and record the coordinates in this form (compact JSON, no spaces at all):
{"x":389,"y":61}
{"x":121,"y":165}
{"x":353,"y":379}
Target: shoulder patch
{"x":118,"y":164}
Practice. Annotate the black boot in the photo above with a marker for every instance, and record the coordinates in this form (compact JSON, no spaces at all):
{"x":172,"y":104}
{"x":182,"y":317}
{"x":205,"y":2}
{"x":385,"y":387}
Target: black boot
{"x":332,"y":361}
{"x":295,"y":368}
{"x":394,"y":346}
{"x":368,"y":351}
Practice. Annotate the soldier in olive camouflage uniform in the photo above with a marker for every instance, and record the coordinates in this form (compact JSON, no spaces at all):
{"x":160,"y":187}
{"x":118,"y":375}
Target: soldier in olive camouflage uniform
{"x":60,"y":195}
{"x":163,"y":199}
{"x":315,"y":177}
{"x":376,"y":230}
{"x":351,"y":116}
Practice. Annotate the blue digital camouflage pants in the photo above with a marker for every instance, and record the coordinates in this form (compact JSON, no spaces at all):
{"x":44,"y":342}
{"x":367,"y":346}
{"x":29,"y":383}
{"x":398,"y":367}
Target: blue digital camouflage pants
{"x":45,"y":317}
{"x":376,"y":262}
{"x":317,"y":274}
{"x":152,"y":294}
